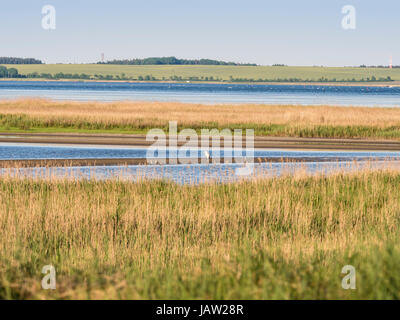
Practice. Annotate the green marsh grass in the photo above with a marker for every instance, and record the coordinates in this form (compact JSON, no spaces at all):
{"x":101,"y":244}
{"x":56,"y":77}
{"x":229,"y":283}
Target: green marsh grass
{"x":276,"y":238}
{"x":35,"y":115}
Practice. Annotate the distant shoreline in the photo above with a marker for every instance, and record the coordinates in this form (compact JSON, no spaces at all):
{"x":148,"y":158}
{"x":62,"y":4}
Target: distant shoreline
{"x":204,"y":74}
{"x":389,"y":84}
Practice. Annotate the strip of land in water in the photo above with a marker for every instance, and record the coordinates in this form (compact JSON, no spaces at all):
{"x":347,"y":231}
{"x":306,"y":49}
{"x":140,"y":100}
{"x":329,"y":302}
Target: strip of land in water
{"x":140,"y":141}
{"x":380,"y":84}
{"x":280,"y":121}
{"x":31,"y":163}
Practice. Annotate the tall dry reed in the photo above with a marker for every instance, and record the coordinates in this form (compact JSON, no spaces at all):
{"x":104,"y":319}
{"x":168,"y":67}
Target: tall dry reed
{"x":284,"y":237}
{"x":278,"y":120}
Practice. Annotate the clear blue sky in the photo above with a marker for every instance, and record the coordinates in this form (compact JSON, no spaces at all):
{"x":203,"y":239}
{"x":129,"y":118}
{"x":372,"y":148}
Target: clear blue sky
{"x":293,"y":32}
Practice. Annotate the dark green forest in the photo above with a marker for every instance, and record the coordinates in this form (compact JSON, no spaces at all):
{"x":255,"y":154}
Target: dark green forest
{"x":9,"y":72}
{"x":174,"y":61}
{"x":13,"y":60}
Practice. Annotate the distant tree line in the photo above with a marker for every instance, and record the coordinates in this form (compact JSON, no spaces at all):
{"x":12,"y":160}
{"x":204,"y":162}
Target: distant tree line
{"x":13,"y":73}
{"x":57,"y":76}
{"x":174,"y":61}
{"x":380,"y":66}
{"x":123,"y":77}
{"x":12,"y":60}
{"x":323,"y":79}
{"x":9,"y":72}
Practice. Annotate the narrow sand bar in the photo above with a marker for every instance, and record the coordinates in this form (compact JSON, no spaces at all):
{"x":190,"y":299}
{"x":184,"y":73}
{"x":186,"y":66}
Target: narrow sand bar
{"x":259,"y":142}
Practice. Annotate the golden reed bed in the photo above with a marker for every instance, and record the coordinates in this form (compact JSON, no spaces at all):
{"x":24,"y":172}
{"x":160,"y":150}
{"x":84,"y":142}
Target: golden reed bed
{"x":160,"y":112}
{"x":36,"y":115}
{"x":278,"y":238}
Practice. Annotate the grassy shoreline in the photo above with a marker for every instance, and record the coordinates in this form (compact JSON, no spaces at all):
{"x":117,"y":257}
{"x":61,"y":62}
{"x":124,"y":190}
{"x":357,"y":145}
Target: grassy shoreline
{"x":394,"y":83}
{"x":338,"y":132}
{"x":210,"y":73}
{"x":280,"y":238}
{"x":36,"y":115}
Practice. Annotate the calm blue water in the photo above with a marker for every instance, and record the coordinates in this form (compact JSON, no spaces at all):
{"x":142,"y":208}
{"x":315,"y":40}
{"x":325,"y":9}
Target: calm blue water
{"x":191,"y":174}
{"x":20,"y":151}
{"x":203,"y":93}
{"x":195,"y":174}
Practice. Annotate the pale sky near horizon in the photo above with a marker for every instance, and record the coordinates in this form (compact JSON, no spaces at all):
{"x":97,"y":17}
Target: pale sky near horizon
{"x":292,"y":32}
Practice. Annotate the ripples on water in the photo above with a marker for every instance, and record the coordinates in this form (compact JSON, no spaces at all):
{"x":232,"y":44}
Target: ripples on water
{"x":203,"y":93}
{"x":191,"y":174}
{"x":186,"y":174}
{"x":196,"y":174}
{"x":10,"y":151}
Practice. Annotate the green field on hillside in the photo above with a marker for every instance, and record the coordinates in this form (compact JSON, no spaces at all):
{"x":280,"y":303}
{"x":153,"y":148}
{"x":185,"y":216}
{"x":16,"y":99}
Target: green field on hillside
{"x":165,"y":72}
